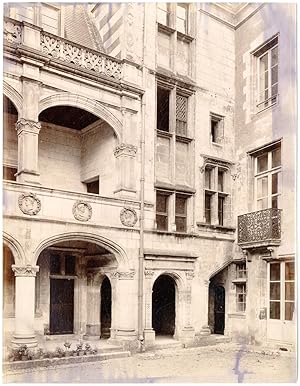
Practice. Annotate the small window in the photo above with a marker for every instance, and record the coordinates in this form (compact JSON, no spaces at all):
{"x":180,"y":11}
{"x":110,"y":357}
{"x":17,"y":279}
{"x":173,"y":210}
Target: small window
{"x":220,"y":180}
{"x":9,"y":173}
{"x":55,"y":265}
{"x":162,"y":211}
{"x":241,"y":271}
{"x":216,"y":128}
{"x":208,"y":198}
{"x":267,"y":58}
{"x":182,"y":18}
{"x":163,"y":13}
{"x":162,"y":109}
{"x":221,"y":201}
{"x":208,"y":178}
{"x":93,"y":186}
{"x":70,"y":265}
{"x":181,"y":115}
{"x":241,"y":297}
{"x":181,"y":213}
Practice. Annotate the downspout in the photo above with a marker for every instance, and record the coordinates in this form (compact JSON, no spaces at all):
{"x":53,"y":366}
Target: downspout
{"x":142,"y":210}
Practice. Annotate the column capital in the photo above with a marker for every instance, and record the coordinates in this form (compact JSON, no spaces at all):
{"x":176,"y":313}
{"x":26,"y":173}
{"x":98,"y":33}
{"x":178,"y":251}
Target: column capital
{"x":149,"y":273}
{"x":28,"y":126}
{"x":125,"y":149}
{"x":123,"y":275}
{"x":25,"y":270}
{"x":189,"y":275}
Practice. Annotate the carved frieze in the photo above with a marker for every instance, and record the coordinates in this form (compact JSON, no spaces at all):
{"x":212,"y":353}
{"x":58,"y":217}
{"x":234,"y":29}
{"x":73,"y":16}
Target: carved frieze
{"x":25,"y":270}
{"x":149,"y":273}
{"x":125,"y":149}
{"x":189,"y":275}
{"x":12,"y":32}
{"x":82,"y":211}
{"x":128,"y":217}
{"x":29,"y":203}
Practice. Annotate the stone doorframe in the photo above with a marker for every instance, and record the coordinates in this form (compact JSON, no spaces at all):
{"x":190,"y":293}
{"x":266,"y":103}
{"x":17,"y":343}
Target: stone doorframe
{"x":183,"y":296}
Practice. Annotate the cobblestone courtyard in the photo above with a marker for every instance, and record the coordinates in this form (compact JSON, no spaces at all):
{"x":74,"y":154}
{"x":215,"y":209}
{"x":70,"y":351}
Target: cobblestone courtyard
{"x":223,"y":363}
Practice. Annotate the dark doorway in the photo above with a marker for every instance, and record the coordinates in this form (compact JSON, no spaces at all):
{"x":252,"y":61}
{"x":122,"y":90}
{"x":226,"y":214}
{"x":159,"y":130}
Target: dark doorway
{"x":61,"y":306}
{"x":105,"y":308}
{"x":163,"y":306}
{"x":219,"y":310}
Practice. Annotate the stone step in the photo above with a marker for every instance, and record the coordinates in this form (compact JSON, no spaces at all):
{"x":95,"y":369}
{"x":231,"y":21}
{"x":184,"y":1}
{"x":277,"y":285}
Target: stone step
{"x":167,"y":345}
{"x":209,"y":340}
{"x":47,"y":362}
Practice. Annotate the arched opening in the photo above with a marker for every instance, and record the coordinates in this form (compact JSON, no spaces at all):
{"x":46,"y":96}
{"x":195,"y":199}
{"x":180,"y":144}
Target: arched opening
{"x":105,"y":313}
{"x":163,"y":305}
{"x":8,"y":284}
{"x":217,"y":301}
{"x":10,"y":140}
{"x":76,"y":143}
{"x":66,"y":301}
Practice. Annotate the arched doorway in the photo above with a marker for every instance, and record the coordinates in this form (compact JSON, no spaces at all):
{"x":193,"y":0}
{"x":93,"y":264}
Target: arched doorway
{"x":105,"y":312}
{"x":163,"y":306}
{"x":219,"y":309}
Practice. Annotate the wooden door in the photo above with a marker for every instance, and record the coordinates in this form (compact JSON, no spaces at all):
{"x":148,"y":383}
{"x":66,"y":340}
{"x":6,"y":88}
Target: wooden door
{"x":219,"y":310}
{"x":61,"y":306}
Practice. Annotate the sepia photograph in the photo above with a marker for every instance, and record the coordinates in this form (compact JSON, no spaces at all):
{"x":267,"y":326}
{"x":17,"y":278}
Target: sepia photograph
{"x":149,"y":192}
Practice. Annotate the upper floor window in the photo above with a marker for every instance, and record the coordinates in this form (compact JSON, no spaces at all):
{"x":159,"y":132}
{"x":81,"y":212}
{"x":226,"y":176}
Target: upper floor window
{"x":267,"y":63}
{"x":216,"y":128}
{"x":181,"y":213}
{"x":268,"y":179}
{"x":162,"y":109}
{"x":181,"y":115}
{"x":9,"y":173}
{"x":163,"y":13}
{"x":182,"y":18}
{"x":162,"y":211}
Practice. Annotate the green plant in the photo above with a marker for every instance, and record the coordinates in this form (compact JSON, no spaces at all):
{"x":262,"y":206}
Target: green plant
{"x":67,"y":345}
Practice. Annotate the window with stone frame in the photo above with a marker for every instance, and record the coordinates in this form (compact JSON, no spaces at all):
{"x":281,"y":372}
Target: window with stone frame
{"x":174,"y":15}
{"x":216,"y":128}
{"x":268,"y":178}
{"x":9,"y":173}
{"x":240,"y":297}
{"x":181,"y":212}
{"x":216,"y":198}
{"x":164,"y":13}
{"x":281,"y":290}
{"x":241,"y":270}
{"x":266,"y":58}
{"x":162,"y":210}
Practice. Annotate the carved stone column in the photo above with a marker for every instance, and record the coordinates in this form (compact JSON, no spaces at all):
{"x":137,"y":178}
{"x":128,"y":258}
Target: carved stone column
{"x":93,"y":306}
{"x":149,"y":333}
{"x":126,"y":307}
{"x":125,"y":155}
{"x":205,"y":330}
{"x":28,"y":132}
{"x":188,"y":330}
{"x":24,"y":305}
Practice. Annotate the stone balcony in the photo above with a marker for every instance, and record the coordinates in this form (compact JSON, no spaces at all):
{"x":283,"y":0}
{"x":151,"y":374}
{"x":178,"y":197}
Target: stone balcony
{"x":259,"y":229}
{"x":29,"y":202}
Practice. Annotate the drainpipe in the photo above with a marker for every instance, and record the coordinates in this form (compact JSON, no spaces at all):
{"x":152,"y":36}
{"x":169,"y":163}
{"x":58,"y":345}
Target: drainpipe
{"x":142,"y":210}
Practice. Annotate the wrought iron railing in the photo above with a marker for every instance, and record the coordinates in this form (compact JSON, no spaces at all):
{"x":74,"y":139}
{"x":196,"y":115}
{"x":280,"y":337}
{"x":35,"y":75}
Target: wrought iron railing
{"x":69,"y":52}
{"x":260,"y":226}
{"x":12,"y":31}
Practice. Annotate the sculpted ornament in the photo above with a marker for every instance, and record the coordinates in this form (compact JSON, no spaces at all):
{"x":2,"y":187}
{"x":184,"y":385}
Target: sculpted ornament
{"x":25,"y":270}
{"x":82,"y":211}
{"x":125,"y":149}
{"x":29,"y":204}
{"x":189,"y":275}
{"x":128,"y":217}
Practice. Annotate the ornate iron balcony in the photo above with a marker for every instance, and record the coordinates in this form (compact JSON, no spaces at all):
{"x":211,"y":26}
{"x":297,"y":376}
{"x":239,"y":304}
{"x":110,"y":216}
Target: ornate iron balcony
{"x":260,"y":228}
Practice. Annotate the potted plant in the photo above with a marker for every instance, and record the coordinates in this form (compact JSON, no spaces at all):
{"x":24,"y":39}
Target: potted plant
{"x":23,"y":352}
{"x":79,"y":349}
{"x":39,"y":353}
{"x":87,"y":348}
{"x":59,"y":352}
{"x":68,"y":352}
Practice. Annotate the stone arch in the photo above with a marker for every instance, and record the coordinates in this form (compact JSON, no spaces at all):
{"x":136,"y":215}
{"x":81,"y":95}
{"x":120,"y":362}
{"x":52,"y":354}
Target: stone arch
{"x":102,"y":241}
{"x":219,"y":268}
{"x":82,"y":102}
{"x":15,"y":97}
{"x":15,"y":247}
{"x":179,"y":281}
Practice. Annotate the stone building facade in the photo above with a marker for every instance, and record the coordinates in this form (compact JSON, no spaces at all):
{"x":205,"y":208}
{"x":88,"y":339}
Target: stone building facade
{"x":149,"y":171}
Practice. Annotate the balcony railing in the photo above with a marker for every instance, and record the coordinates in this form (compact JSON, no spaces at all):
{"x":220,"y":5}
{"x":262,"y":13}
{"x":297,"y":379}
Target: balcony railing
{"x":260,"y":228}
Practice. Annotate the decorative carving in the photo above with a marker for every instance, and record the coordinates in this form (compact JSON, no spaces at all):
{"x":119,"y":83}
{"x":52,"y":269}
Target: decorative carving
{"x":29,"y":203}
{"x":189,"y":275}
{"x":129,"y":275}
{"x":125,"y":149}
{"x":149,"y":273}
{"x":238,"y":172}
{"x":25,"y":270}
{"x":261,"y":225}
{"x":65,"y":51}
{"x":12,"y":32}
{"x":128,"y":217}
{"x":82,"y":211}
{"x":28,"y":125}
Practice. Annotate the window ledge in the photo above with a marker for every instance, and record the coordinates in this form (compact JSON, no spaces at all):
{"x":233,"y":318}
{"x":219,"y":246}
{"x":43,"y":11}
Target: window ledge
{"x":237,"y":315}
{"x":272,"y":105}
{"x":239,"y":280}
{"x":183,"y":139}
{"x":176,"y":234}
{"x":184,"y":37}
{"x":163,"y":133}
{"x":216,"y":144}
{"x":165,"y":28}
{"x":222,"y":228}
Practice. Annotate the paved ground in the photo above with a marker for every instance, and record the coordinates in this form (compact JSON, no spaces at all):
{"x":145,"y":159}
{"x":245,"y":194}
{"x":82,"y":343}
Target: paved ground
{"x":225,"y":362}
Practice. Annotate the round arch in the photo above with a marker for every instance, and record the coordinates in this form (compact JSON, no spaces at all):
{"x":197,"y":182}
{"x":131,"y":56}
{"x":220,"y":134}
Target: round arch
{"x":178,"y":280}
{"x":14,"y":96}
{"x":111,"y":246}
{"x":15,"y":247}
{"x":81,"y":102}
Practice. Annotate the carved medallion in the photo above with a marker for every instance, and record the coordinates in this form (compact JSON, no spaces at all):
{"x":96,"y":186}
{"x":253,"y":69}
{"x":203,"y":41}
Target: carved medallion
{"x":128,"y":217}
{"x":82,"y":211}
{"x":29,"y":203}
